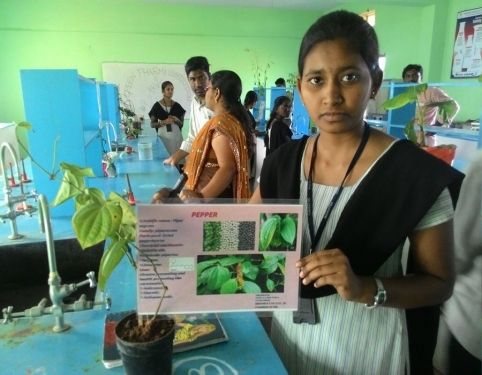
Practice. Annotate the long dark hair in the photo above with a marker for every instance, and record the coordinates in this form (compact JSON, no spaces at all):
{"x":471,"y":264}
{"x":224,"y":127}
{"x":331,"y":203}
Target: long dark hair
{"x":230,"y":87}
{"x":349,"y":26}
{"x":278,"y":102}
{"x":250,"y":98}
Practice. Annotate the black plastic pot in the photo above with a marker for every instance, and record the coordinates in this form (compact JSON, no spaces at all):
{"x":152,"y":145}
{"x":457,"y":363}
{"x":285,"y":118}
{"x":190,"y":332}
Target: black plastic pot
{"x":146,"y":358}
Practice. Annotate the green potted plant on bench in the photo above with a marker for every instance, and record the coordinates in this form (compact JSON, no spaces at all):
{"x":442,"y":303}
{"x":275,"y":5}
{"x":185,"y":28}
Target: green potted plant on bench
{"x":414,"y":130}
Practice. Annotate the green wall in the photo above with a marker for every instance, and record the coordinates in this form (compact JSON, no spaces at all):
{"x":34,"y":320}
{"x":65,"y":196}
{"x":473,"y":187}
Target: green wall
{"x":83,"y":34}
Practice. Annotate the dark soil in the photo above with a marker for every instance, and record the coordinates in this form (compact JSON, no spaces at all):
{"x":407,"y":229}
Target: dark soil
{"x":151,"y":329}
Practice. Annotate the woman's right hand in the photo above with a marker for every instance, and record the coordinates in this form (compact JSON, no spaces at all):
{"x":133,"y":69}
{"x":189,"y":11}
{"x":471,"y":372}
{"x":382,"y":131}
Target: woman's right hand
{"x":160,"y":195}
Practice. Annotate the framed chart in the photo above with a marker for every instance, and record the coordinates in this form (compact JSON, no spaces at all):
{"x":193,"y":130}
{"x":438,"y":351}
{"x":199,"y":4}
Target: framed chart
{"x":467,"y":53}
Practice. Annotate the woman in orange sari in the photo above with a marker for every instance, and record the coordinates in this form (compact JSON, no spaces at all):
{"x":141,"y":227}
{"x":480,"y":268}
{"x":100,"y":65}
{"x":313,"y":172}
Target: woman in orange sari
{"x":218,"y":165}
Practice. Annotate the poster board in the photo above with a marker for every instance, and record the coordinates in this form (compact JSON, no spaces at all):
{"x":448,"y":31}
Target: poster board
{"x":218,"y":257}
{"x":140,"y":84}
{"x":467,"y":52}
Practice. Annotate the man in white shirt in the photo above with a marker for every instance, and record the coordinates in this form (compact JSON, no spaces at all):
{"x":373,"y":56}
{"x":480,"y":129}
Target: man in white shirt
{"x":197,"y":71}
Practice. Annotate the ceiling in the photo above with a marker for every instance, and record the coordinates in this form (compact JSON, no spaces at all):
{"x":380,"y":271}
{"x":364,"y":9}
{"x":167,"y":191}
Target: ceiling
{"x":292,"y":4}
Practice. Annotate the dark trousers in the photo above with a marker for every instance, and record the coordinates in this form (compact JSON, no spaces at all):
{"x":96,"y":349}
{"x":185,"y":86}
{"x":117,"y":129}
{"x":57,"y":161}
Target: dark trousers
{"x":461,"y":362}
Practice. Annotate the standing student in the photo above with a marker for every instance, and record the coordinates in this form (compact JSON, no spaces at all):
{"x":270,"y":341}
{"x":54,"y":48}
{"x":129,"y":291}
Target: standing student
{"x":197,"y":71}
{"x":218,"y":165}
{"x":363,"y":199}
{"x":167,"y":117}
{"x":250,"y":100}
{"x":278,"y":131}
{"x":460,"y":351}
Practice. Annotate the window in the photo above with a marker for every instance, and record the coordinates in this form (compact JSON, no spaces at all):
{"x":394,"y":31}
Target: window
{"x":369,"y":16}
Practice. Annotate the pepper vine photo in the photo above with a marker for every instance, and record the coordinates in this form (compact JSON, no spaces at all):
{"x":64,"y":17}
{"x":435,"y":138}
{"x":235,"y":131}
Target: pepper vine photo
{"x":231,"y":274}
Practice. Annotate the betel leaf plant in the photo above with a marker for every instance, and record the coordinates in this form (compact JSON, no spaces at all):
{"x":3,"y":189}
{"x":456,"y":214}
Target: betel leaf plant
{"x":260,"y":69}
{"x":111,"y":218}
{"x":98,"y":218}
{"x":411,"y":95}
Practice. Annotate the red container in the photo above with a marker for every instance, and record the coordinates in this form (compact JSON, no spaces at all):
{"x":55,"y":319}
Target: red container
{"x":445,"y":153}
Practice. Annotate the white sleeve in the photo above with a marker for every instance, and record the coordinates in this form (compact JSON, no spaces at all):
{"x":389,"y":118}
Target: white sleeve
{"x":186,"y":144}
{"x":468,"y":217}
{"x":440,"y":212}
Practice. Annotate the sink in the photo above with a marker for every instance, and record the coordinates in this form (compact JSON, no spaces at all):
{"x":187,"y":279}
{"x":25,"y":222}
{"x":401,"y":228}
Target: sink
{"x":24,"y":271}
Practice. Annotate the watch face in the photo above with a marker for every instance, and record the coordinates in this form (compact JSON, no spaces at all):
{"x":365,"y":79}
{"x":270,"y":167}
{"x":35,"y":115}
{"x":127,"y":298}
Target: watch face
{"x":380,"y":297}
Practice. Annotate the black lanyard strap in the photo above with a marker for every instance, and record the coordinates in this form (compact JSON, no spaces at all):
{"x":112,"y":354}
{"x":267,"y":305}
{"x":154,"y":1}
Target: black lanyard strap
{"x":316,"y":238}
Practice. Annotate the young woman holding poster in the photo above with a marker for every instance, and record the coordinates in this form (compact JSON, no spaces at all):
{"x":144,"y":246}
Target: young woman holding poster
{"x":363,"y":199}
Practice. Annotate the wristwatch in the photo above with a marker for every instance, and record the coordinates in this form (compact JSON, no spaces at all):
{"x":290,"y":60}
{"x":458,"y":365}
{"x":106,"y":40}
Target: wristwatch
{"x":380,"y":297}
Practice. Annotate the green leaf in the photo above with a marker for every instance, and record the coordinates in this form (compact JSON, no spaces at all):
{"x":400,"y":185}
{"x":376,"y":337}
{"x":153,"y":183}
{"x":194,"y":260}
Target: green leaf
{"x":409,"y":96}
{"x":217,"y":276}
{"x":24,"y":125}
{"x":288,"y":229}
{"x":127,"y":232}
{"x":128,"y":214}
{"x":480,"y":78}
{"x":201,"y":266}
{"x":250,"y":271}
{"x":228,"y":261}
{"x":72,"y":182}
{"x":281,"y":266}
{"x":92,"y":224}
{"x":229,"y":287}
{"x":116,"y":216}
{"x":267,"y":231}
{"x":447,"y":110}
{"x":76,"y":170}
{"x":251,"y":288}
{"x":111,"y":258}
{"x":410,"y":132}
{"x":270,"y":285}
{"x":276,"y":241}
{"x":269,"y":264}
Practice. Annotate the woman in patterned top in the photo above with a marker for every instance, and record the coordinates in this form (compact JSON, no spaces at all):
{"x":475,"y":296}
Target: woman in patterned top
{"x":363,"y":199}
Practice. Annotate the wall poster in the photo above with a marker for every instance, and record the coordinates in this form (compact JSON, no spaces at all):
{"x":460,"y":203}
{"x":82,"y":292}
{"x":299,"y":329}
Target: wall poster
{"x":218,"y":257}
{"x":467,"y":53}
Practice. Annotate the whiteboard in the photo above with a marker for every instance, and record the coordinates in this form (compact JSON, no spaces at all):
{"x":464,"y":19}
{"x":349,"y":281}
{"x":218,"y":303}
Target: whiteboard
{"x":140,"y":84}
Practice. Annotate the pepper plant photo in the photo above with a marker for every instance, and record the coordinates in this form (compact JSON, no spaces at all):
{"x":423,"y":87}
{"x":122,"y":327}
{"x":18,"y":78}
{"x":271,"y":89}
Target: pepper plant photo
{"x":278,"y":232}
{"x":229,"y":274}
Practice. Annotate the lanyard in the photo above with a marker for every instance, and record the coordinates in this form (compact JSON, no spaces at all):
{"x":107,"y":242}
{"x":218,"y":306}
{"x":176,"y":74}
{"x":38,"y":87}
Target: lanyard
{"x":316,"y":238}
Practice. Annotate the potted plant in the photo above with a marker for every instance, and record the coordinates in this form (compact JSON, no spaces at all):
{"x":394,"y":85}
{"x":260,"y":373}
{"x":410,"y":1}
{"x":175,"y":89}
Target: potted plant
{"x":130,"y":123}
{"x":145,"y":343}
{"x":411,"y":95}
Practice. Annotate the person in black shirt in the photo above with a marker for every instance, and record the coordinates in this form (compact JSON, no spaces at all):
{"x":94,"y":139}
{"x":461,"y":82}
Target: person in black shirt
{"x":277,"y":130}
{"x":166,"y":112}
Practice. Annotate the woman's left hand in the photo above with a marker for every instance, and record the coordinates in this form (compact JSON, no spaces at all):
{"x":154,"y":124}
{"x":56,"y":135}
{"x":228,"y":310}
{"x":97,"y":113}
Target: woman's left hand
{"x":331,"y":267}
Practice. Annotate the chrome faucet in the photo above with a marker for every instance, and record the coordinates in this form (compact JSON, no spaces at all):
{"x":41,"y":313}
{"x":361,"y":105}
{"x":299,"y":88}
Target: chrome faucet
{"x":57,"y":291}
{"x":10,"y":199}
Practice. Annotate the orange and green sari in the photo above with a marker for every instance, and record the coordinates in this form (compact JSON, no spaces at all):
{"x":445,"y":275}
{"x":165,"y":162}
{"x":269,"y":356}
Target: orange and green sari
{"x":202,"y":163}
